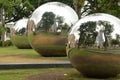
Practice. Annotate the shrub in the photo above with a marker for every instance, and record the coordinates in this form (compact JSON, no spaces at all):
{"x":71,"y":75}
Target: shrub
{"x":21,"y":42}
{"x":0,"y":43}
{"x":8,"y":43}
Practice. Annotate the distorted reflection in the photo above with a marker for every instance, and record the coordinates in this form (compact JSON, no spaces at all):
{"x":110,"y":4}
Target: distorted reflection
{"x":51,"y":21}
{"x":96,"y":31}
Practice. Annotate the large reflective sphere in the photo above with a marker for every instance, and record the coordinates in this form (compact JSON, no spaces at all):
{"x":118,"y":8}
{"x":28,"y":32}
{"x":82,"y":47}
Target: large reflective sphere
{"x":94,"y":45}
{"x":48,"y":27}
{"x":19,"y":34}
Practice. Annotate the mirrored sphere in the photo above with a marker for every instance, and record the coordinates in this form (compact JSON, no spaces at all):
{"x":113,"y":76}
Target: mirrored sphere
{"x":48,"y":27}
{"x":19,"y":34}
{"x":94,"y":45}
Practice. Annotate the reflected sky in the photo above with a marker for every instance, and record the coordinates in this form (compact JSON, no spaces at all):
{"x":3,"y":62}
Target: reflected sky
{"x":57,"y":8}
{"x":22,"y":23}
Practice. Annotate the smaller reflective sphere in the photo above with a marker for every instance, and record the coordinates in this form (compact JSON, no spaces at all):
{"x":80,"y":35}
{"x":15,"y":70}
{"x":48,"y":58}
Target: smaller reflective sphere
{"x":19,"y":34}
{"x":48,"y":27}
{"x":94,"y":45}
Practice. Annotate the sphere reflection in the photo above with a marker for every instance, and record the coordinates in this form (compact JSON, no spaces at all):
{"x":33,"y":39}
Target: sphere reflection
{"x":19,"y":34}
{"x":48,"y":27}
{"x":94,"y":45}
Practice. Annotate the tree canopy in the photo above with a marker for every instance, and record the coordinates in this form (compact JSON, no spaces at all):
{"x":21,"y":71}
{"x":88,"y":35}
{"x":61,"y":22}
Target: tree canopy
{"x":87,"y":34}
{"x":47,"y":20}
{"x":16,"y":9}
{"x":103,"y":6}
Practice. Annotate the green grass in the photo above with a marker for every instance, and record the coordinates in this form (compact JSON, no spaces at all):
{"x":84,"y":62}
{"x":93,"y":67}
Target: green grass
{"x":20,"y":74}
{"x":12,"y":50}
{"x":21,"y":42}
{"x":28,"y":53}
{"x":23,"y":74}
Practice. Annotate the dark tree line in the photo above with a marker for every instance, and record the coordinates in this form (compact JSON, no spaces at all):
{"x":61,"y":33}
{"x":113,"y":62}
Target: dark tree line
{"x":88,"y":33}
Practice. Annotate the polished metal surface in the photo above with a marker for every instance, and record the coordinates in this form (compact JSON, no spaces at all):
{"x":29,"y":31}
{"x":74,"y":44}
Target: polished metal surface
{"x":19,"y":34}
{"x":48,"y":26}
{"x":103,"y":27}
{"x":20,"y":27}
{"x":93,"y":45}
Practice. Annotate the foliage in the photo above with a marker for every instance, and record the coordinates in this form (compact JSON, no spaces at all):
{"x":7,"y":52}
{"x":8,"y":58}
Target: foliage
{"x":59,"y":19}
{"x":115,"y":42}
{"x":78,"y":4}
{"x":0,"y":42}
{"x":16,"y":9}
{"x":47,"y":20}
{"x":21,"y":42}
{"x":37,"y":3}
{"x":108,"y":27}
{"x":107,"y":32}
{"x":1,"y":29}
{"x":7,"y":43}
{"x":103,"y":6}
{"x":87,"y":34}
{"x":21,"y":9}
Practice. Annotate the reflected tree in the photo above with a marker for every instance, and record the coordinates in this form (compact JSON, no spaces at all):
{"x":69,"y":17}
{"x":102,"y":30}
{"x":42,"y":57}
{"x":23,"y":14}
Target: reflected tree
{"x":108,"y":29}
{"x":59,"y":19}
{"x":102,"y":6}
{"x":78,"y":4}
{"x":47,"y":20}
{"x":116,"y":41}
{"x":21,"y":31}
{"x":87,"y":34}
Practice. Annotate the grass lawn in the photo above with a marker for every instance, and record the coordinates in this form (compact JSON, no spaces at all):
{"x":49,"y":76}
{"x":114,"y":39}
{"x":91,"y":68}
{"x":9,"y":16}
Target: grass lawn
{"x":13,"y":54}
{"x":28,"y":74}
{"x":12,"y":50}
{"x":19,"y":74}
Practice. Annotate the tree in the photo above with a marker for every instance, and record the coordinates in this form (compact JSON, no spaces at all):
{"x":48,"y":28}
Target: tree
{"x":118,"y":37}
{"x":37,"y":3}
{"x":107,"y":32}
{"x":47,"y":20}
{"x":103,"y":6}
{"x":6,"y":8}
{"x":78,"y":4}
{"x":20,"y":9}
{"x":1,"y":29}
{"x":13,"y":10}
{"x":87,"y":34}
{"x":16,"y":9}
{"x":59,"y":19}
{"x":116,"y":41}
